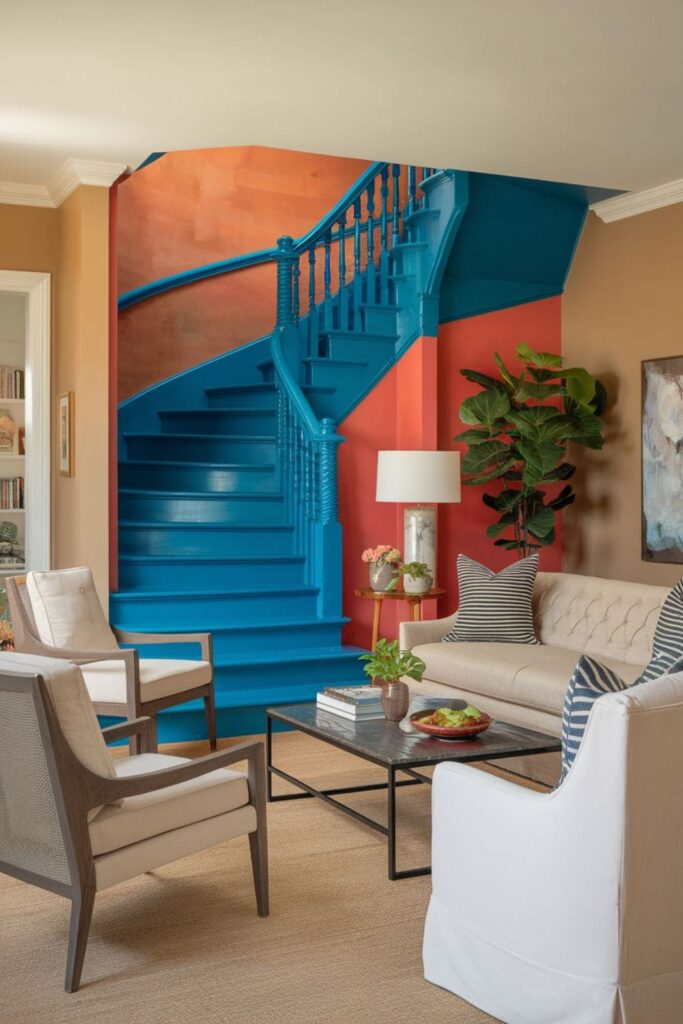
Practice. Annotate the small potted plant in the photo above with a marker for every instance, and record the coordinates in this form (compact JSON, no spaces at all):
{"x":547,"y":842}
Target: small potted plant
{"x":382,"y":562}
{"x":417,"y":579}
{"x":388,"y":663}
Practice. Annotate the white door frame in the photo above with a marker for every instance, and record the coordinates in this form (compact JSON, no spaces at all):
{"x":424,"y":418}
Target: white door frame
{"x":36,"y":288}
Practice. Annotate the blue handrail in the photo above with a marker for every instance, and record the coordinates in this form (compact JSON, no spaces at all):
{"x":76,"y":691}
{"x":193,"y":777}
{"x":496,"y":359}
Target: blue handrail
{"x":316,"y":236}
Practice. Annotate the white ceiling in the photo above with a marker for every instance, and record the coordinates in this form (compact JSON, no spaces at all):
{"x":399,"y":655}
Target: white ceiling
{"x":588,"y":91}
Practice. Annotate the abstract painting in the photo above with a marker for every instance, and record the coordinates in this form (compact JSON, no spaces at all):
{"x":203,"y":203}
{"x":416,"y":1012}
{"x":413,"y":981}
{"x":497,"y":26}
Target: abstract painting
{"x":662,"y":393}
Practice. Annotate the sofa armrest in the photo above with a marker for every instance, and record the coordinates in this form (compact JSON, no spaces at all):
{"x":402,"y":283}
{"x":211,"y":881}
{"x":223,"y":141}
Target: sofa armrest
{"x":428,"y":632}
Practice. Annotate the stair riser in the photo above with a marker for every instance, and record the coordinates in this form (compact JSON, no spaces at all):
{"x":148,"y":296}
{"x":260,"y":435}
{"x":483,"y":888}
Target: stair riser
{"x":207,"y":613}
{"x":238,"y":422}
{"x":342,"y":377}
{"x":261,"y":479}
{"x":228,"y":643}
{"x":156,"y":508}
{"x":330,"y":672}
{"x":375,"y":353}
{"x":267,"y":372}
{"x":379,"y":321}
{"x":195,"y":449}
{"x":151,"y":540}
{"x":207,"y":575}
{"x":409,"y":262}
{"x":246,"y":399}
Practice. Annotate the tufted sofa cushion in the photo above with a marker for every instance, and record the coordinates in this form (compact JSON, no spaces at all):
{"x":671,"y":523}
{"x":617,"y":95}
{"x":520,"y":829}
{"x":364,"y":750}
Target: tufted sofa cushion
{"x":598,"y":617}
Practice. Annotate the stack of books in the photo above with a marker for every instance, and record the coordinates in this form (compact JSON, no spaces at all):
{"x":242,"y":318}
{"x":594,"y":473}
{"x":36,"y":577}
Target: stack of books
{"x":356,"y":703}
{"x":11,"y":382}
{"x":12,"y":493}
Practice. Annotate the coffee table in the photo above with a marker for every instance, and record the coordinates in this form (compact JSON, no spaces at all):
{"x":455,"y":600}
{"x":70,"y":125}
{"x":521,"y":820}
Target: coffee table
{"x":384,"y":744}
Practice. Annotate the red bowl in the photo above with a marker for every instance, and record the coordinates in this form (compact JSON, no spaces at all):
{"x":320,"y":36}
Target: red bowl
{"x":450,"y":732}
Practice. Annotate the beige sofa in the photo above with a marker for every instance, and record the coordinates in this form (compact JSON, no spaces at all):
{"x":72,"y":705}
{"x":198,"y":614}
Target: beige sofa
{"x":525,"y":684}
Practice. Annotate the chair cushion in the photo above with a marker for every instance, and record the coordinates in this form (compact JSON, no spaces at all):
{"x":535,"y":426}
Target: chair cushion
{"x":73,"y":707}
{"x":140,"y":817}
{"x":533,"y":676}
{"x":495,"y":607}
{"x":667,"y":647}
{"x":159,"y":677}
{"x":67,"y":610}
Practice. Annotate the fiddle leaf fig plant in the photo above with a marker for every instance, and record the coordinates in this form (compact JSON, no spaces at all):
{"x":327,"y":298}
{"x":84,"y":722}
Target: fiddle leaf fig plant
{"x":519,"y":427}
{"x":388,"y":663}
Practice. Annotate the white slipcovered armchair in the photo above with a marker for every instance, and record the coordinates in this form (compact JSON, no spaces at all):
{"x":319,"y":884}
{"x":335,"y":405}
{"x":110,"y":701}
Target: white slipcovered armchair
{"x":567,"y":907}
{"x":58,"y":614}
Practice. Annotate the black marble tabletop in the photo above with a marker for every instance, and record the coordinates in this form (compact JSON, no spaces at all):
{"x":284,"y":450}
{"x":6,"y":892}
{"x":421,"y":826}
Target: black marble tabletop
{"x":384,"y":743}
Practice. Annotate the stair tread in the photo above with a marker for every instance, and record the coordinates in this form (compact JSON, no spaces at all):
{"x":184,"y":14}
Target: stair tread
{"x":324,"y":361}
{"x":264,"y":386}
{"x":262,"y":625}
{"x":430,"y":213}
{"x":211,"y":495}
{"x":189,"y":595}
{"x":260,"y":697}
{"x":211,"y":559}
{"x":185,"y":463}
{"x":301,"y":654}
{"x":176,"y":435}
{"x":339,"y":332}
{"x":208,"y":413}
{"x":402,"y":246}
{"x":163,"y":525}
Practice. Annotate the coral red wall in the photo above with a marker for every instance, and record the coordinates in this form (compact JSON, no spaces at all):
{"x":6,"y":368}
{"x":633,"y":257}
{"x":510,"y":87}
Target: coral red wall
{"x":416,"y":405}
{"x":197,"y":207}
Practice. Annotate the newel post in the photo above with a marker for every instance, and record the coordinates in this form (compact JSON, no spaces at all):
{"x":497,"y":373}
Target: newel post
{"x":328,"y":532}
{"x":285,"y":279}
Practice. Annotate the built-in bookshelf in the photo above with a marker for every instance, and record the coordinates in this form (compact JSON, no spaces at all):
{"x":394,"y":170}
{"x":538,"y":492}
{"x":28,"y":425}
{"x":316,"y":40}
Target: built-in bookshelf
{"x":13,"y":455}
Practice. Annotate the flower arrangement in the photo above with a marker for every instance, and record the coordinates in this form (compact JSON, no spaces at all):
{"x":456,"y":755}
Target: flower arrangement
{"x":383,"y":554}
{"x":418,"y":570}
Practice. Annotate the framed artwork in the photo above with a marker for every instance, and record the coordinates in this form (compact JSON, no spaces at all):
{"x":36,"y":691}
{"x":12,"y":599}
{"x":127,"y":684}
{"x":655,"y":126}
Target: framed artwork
{"x":8,"y":429}
{"x":65,"y":433}
{"x":662,"y":468}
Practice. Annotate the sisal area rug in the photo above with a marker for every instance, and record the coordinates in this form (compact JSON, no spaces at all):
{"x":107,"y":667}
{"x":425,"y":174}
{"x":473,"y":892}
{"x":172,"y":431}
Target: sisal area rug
{"x":184,"y":944}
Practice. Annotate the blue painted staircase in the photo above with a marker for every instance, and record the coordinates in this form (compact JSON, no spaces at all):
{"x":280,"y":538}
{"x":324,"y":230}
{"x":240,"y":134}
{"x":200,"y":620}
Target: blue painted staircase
{"x":228,"y":503}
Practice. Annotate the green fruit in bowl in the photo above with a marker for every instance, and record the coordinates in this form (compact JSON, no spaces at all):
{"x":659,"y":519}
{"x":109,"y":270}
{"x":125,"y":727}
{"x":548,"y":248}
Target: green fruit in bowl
{"x":471,"y":712}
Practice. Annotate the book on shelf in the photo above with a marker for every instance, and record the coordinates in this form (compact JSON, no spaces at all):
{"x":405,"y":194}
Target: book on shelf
{"x":11,"y":493}
{"x":11,"y":382}
{"x":356,"y":696}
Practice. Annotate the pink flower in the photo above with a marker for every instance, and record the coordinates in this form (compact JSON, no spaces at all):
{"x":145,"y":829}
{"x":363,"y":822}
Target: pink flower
{"x":382,"y":553}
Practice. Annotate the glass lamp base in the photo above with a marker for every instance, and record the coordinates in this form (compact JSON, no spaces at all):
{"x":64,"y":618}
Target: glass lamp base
{"x":419,"y":541}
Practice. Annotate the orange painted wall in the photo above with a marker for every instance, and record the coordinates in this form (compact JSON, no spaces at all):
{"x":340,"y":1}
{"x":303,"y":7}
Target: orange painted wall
{"x":197,"y":207}
{"x":416,"y":405}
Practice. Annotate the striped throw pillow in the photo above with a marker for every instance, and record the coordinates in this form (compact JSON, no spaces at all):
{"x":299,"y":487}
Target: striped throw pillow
{"x":590,"y":681}
{"x":667,"y":647}
{"x":495,"y":607}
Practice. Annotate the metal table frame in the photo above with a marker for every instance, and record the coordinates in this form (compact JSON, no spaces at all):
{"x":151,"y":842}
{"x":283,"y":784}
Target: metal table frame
{"x":391,"y":785}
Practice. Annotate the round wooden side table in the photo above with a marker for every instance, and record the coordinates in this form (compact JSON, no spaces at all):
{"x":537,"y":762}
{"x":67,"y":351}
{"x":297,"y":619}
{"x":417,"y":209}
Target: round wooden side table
{"x":414,"y":600}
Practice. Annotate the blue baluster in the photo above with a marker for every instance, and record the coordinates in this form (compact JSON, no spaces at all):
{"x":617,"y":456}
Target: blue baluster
{"x":384,"y":240}
{"x":296,"y":274}
{"x":312,"y":307}
{"x":343,"y":304}
{"x":396,"y":206}
{"x":412,"y":190}
{"x":370,"y":273}
{"x":357,"y":278}
{"x":425,"y":195}
{"x":327,"y":309}
{"x":285,"y":270}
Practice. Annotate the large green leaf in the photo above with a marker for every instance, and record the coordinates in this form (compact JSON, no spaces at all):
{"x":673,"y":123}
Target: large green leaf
{"x":504,"y":372}
{"x":497,"y":528}
{"x":540,"y":458}
{"x":562,"y":472}
{"x":545,"y":359}
{"x":485,"y":455}
{"x":542,"y":374}
{"x":473,"y":434}
{"x":486,"y":478}
{"x":507,"y":501}
{"x":533,"y":390}
{"x":599,"y":403}
{"x":484,"y":408}
{"x":542,"y":423}
{"x":580,"y":385}
{"x":586,"y":427}
{"x":564,"y":498}
{"x":541,"y":524}
{"x":482,"y":378}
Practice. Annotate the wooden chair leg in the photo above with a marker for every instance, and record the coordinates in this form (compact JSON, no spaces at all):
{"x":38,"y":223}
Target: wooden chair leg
{"x":210,"y":709}
{"x":79,"y":927}
{"x":258,"y":846}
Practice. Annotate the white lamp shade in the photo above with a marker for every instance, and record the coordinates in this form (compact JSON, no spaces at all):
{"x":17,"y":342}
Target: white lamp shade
{"x":420,"y":476}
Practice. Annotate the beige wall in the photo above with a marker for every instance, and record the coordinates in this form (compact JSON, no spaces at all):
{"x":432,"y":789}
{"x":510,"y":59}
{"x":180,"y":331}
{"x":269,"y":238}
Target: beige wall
{"x":72,"y":244}
{"x":82,"y":366}
{"x":623,"y":304}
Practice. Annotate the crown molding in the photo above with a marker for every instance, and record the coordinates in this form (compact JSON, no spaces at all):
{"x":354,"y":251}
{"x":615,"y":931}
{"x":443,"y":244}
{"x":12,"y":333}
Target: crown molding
{"x":632,"y":203}
{"x":70,"y":175}
{"x":14,"y":194}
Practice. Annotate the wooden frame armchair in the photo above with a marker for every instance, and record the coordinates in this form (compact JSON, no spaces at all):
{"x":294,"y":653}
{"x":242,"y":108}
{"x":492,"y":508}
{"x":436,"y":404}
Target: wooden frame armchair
{"x":69,"y":829}
{"x":142,"y":687}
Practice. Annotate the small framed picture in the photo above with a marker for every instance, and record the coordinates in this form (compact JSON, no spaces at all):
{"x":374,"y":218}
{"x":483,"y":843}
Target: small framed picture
{"x":65,"y":434}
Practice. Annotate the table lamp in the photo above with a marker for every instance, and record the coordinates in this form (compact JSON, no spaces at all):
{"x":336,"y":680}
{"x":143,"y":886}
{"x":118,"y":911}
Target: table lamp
{"x":427,"y":478}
